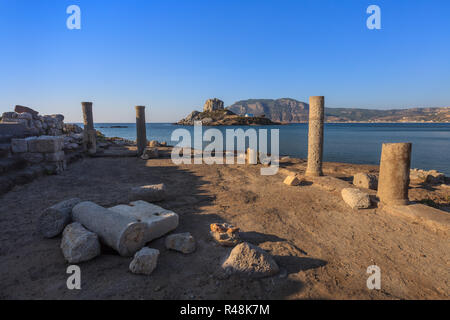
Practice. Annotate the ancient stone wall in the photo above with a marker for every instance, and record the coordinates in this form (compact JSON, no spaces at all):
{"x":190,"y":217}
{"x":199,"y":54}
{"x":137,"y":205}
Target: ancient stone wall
{"x":32,"y":145}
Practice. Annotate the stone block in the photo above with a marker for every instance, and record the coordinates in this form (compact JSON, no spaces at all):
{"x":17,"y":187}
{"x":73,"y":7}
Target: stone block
{"x":123,"y":234}
{"x":183,"y":242}
{"x":22,"y":109}
{"x":355,"y":198}
{"x":79,"y":244}
{"x":365,"y":180}
{"x":150,"y":193}
{"x":45,"y":144}
{"x":144,"y":261}
{"x":25,"y":115}
{"x":158,"y":221}
{"x":55,"y":156}
{"x":292,"y":180}
{"x":33,"y":157}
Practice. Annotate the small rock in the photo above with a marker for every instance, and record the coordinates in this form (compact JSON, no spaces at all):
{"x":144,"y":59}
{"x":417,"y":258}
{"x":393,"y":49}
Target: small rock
{"x":364,"y":180}
{"x":183,"y":242}
{"x":144,"y":261}
{"x":150,"y":193}
{"x":153,"y":143}
{"x":355,"y":198}
{"x":435,"y":177}
{"x":292,"y":180}
{"x":250,"y":260}
{"x":79,"y":244}
{"x":225,"y":234}
{"x":150,"y":153}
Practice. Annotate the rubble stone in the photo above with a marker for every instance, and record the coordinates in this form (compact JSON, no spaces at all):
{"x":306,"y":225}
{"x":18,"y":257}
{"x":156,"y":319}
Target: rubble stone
{"x":355,"y":198}
{"x":183,"y":242}
{"x":250,"y":260}
{"x":365,"y":180}
{"x":79,"y":244}
{"x":19,"y":145}
{"x":45,"y":144}
{"x":292,"y":180}
{"x":225,"y":234}
{"x":150,"y":193}
{"x":144,"y":261}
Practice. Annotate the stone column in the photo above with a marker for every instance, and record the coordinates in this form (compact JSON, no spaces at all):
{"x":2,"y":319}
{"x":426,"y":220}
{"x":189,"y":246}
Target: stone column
{"x":315,"y":136}
{"x":393,"y":182}
{"x":89,"y":134}
{"x":141,"y":133}
{"x":251,"y":156}
{"x":124,"y":234}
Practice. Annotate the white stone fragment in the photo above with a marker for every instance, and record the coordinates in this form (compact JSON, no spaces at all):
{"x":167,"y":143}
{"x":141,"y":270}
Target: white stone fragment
{"x":355,"y":198}
{"x":158,"y":221}
{"x":183,"y":242}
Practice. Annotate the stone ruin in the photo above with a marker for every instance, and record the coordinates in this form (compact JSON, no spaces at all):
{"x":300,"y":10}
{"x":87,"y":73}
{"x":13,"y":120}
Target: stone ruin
{"x":33,"y":144}
{"x":213,"y":104}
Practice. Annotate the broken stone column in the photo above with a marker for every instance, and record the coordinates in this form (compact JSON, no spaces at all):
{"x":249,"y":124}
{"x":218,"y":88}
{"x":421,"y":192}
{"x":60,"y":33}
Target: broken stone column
{"x":158,"y":221}
{"x":89,"y":134}
{"x":315,"y":136}
{"x":54,"y":219}
{"x":393,"y":182}
{"x":123,"y":234}
{"x":141,"y":133}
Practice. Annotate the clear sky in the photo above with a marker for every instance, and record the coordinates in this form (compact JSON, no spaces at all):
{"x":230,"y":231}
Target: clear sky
{"x":173,"y":55}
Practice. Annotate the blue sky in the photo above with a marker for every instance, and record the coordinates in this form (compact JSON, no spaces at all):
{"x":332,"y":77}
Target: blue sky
{"x":173,"y":55}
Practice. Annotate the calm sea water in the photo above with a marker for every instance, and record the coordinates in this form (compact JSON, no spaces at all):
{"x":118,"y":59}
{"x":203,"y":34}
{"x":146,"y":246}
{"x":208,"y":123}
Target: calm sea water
{"x":353,"y":143}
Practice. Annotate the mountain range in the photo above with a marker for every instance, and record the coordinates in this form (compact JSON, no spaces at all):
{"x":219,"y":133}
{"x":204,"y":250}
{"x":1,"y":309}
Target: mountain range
{"x":288,"y":110}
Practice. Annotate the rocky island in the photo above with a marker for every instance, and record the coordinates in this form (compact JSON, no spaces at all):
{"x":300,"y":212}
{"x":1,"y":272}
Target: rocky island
{"x":214,"y":114}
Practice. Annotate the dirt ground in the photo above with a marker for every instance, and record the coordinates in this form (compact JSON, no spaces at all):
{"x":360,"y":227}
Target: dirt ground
{"x":321,"y":245}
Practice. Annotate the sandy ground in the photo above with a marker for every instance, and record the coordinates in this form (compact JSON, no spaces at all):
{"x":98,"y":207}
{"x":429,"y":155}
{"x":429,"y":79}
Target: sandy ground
{"x":322,"y":246}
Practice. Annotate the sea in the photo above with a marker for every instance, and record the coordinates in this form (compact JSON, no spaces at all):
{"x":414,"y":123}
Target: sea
{"x":343,"y":142}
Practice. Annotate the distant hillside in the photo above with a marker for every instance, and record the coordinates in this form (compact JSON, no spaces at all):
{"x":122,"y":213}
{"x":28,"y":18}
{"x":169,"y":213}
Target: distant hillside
{"x":289,"y":111}
{"x":280,"y":110}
